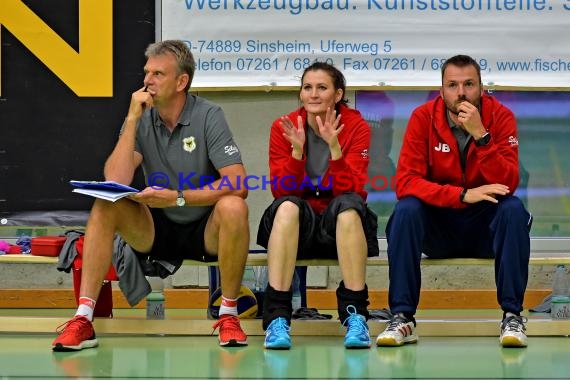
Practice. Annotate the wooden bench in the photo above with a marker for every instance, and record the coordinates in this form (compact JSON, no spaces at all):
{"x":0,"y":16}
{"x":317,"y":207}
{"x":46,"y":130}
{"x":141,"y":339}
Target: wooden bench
{"x":544,"y":251}
{"x":256,"y":259}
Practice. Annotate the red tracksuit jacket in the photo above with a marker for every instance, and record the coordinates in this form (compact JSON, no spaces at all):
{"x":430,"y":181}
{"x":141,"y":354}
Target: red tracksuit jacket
{"x":348,"y":174}
{"x":429,"y":167}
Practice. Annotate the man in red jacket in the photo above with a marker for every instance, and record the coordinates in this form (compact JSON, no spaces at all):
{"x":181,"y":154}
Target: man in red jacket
{"x":456,"y":175}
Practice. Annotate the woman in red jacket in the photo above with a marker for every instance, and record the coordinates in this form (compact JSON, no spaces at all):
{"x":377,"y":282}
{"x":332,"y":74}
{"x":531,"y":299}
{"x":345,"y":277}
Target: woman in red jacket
{"x":318,"y":160}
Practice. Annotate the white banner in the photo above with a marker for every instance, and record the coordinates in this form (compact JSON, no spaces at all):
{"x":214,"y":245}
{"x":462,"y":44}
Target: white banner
{"x":236,"y":43}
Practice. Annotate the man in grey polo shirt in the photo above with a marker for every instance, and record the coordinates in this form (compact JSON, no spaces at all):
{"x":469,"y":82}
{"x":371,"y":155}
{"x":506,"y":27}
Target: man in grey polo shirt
{"x":194,"y":207}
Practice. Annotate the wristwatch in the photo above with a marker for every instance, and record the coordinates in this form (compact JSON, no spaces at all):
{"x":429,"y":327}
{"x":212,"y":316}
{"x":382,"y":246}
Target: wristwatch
{"x":484,"y":140}
{"x":180,"y":201}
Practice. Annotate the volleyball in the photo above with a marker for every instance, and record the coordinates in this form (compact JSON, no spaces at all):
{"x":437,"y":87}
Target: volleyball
{"x":246,"y":303}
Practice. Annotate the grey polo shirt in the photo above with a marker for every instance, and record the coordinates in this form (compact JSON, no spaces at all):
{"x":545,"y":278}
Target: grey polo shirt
{"x":462,"y":138}
{"x":190,"y":157}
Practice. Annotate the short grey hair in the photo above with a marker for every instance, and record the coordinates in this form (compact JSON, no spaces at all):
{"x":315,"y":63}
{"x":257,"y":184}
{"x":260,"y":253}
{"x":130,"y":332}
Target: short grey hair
{"x":182,"y":53}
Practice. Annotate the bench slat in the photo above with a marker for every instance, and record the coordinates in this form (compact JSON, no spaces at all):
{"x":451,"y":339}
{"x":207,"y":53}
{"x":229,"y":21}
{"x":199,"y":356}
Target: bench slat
{"x":260,"y":259}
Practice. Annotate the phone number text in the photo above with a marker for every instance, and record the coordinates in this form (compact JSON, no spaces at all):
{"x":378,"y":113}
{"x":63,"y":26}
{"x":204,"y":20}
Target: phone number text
{"x":346,"y":63}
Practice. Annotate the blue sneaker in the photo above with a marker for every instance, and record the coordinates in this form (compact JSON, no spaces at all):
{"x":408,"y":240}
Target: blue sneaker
{"x":277,"y":335}
{"x":357,"y":335}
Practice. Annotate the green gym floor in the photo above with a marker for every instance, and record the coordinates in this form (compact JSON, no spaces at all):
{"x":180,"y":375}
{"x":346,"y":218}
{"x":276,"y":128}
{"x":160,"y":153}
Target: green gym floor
{"x":155,"y":357}
{"x":29,"y":356}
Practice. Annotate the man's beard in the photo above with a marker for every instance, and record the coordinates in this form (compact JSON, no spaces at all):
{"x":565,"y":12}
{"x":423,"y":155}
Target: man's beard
{"x":459,"y":100}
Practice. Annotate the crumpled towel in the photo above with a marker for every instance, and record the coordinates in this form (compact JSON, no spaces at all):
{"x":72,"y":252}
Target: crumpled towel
{"x":544,"y":307}
{"x":382,"y":314}
{"x":306,"y":313}
{"x":25,"y":243}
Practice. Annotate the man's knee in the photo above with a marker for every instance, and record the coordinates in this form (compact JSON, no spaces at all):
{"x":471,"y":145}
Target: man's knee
{"x":408,"y":207}
{"x":407,"y":212}
{"x":107,"y":210}
{"x":512,"y":207}
{"x":232,"y":208}
{"x":511,"y":203}
{"x":102,"y":205}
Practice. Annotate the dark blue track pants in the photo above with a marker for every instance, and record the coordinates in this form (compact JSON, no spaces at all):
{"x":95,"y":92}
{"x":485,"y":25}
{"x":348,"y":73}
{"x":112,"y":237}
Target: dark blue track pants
{"x":482,"y":230}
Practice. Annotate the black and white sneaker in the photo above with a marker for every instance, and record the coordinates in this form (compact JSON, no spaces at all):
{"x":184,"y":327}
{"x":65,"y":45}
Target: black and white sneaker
{"x":513,"y":331}
{"x":399,"y":331}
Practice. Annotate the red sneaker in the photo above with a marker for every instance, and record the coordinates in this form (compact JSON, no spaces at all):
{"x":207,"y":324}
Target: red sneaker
{"x":231,"y":334}
{"x":74,"y":335}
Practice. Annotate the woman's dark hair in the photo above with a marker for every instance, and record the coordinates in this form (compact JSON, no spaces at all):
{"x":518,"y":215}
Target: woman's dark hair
{"x":337,"y":77}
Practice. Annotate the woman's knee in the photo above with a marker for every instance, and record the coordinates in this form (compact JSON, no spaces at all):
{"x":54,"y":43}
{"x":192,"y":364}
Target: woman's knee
{"x":287,"y":211}
{"x":346,"y":201}
{"x":349,"y":217}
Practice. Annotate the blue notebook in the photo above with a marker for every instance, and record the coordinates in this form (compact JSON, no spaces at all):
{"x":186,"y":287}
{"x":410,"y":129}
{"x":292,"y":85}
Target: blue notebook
{"x":107,"y":190}
{"x":102,"y":185}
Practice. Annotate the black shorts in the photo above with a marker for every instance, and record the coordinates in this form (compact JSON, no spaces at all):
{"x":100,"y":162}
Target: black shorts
{"x":178,"y":241}
{"x":317,"y":232}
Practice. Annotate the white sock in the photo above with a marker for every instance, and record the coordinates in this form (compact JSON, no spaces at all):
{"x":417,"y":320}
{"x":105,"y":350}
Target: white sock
{"x":228,"y":306}
{"x":86,"y":307}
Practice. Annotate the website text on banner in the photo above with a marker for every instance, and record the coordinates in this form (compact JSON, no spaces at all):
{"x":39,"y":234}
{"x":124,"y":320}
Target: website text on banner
{"x":380,"y":43}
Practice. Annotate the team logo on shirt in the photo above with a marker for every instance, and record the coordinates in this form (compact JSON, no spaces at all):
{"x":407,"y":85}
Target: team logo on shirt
{"x":513,"y":141}
{"x":364,"y":153}
{"x":230,"y":149}
{"x":189,"y":144}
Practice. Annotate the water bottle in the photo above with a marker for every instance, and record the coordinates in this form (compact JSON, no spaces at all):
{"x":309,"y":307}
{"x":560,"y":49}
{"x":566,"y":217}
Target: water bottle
{"x":260,"y":285}
{"x":560,"y":304}
{"x":248,"y":278}
{"x":260,"y":274}
{"x":295,"y":288}
{"x":560,"y":283}
{"x":155,"y":300}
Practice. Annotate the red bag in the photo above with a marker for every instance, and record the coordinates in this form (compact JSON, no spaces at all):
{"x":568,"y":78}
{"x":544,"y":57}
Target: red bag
{"x":104,"y":305}
{"x":78,"y":262}
{"x":14,"y":250}
{"x":47,"y":245}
